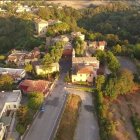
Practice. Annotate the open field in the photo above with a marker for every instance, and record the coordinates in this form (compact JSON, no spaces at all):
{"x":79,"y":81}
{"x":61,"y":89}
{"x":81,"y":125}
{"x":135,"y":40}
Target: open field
{"x":78,"y":4}
{"x":122,"y":109}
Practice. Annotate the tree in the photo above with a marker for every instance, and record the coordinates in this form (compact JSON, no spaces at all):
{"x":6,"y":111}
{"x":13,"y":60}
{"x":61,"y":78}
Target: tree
{"x":28,"y":68}
{"x":35,"y":100}
{"x":101,"y":56}
{"x":6,"y":82}
{"x":117,"y":49}
{"x":99,"y":82}
{"x":78,"y":45}
{"x":113,"y":62}
{"x":125,"y":81}
{"x":23,"y":115}
{"x":47,"y":62}
{"x":112,"y":39}
{"x":56,"y":51}
{"x":91,"y":36}
{"x":122,"y":84}
{"x":110,"y":88}
{"x":136,"y":51}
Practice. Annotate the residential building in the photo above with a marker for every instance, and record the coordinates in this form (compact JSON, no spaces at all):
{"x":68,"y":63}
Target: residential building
{"x":52,"y":41}
{"x":41,"y":27}
{"x":16,"y":74}
{"x":83,"y":73}
{"x":22,"y":8}
{"x":40,"y":71}
{"x":9,"y":103}
{"x":78,"y":34}
{"x":86,"y":61}
{"x":84,"y":69}
{"x":96,"y":45}
{"x":21,"y":58}
{"x":28,"y":86}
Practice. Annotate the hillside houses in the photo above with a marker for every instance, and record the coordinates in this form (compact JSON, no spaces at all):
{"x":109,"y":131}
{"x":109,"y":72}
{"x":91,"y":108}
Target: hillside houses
{"x":21,"y":58}
{"x":77,"y":34}
{"x":96,"y":45}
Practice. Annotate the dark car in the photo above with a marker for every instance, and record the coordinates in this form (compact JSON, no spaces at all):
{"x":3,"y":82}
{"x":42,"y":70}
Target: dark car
{"x":42,"y":108}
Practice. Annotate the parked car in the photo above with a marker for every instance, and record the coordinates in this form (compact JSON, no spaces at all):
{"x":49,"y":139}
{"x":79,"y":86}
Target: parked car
{"x":42,"y":108}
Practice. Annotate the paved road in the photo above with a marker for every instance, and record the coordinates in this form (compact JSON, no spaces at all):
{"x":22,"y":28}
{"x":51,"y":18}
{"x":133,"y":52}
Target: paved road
{"x":87,"y":127}
{"x":43,"y":126}
{"x":127,"y":63}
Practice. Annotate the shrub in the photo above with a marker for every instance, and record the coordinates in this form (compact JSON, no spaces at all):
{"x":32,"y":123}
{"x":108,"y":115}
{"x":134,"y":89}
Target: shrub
{"x":20,"y":128}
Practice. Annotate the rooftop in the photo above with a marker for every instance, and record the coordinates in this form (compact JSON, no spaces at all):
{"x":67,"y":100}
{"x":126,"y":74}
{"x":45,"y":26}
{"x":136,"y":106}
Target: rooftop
{"x":84,"y":60}
{"x":11,"y":71}
{"x":6,"y":97}
{"x":41,"y":21}
{"x":34,"y":86}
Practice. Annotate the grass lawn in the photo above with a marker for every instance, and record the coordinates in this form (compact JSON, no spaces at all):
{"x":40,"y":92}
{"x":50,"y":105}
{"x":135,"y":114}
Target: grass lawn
{"x":69,"y":118}
{"x":86,"y":89}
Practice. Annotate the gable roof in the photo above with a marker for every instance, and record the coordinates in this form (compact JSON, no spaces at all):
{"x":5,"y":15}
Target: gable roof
{"x":85,"y":70}
{"x":34,"y":86}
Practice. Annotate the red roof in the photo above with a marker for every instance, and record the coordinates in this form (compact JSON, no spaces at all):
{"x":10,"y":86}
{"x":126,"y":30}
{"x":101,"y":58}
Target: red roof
{"x":34,"y":86}
{"x":85,"y":70}
{"x":67,"y":52}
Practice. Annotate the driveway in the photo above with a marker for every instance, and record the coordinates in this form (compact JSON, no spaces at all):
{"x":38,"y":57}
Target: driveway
{"x":87,"y":127}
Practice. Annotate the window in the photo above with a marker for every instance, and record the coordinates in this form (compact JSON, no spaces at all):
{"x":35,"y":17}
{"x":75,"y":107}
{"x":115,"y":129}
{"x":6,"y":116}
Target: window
{"x":9,"y":106}
{"x":15,"y":106}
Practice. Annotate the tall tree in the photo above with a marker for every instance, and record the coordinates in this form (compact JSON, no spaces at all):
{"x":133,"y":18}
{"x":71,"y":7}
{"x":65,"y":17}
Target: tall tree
{"x":99,"y":82}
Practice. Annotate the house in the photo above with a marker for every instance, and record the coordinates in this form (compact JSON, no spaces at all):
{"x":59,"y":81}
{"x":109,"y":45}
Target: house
{"x":83,"y":73}
{"x":78,"y":34}
{"x":63,"y":38}
{"x":16,"y":74}
{"x":21,"y":58}
{"x":21,"y":8}
{"x":84,"y":69}
{"x":40,"y":71}
{"x":9,"y":103}
{"x":41,"y":26}
{"x":96,"y":45}
{"x":28,"y":86}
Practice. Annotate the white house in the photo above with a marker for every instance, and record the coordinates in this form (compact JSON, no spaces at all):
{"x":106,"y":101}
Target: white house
{"x":9,"y":101}
{"x":84,"y":69}
{"x":41,"y":27}
{"x":17,"y":74}
{"x":40,"y":71}
{"x":78,"y":34}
